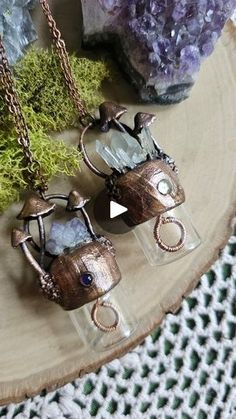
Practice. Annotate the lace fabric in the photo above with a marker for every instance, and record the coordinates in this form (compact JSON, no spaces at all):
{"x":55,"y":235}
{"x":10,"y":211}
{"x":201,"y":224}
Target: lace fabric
{"x":186,"y":369}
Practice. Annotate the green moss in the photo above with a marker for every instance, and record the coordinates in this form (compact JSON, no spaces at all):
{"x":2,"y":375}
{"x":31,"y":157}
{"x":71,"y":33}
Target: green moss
{"x":42,"y":91}
{"x":47,"y":107}
{"x":56,"y":161}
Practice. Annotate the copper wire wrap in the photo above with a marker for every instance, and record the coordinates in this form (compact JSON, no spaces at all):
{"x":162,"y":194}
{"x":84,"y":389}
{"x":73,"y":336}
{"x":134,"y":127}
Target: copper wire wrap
{"x":87,"y":160}
{"x":98,"y":324}
{"x":161,"y":220}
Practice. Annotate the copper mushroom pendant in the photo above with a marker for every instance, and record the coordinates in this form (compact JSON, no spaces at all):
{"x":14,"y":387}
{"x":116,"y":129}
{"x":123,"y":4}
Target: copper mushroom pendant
{"x":149,"y":189}
{"x":79,"y":275}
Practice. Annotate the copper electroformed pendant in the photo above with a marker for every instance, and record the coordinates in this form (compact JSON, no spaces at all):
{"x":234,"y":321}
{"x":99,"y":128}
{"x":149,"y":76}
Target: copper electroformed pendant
{"x":83,"y":267}
{"x":146,"y":182}
{"x":147,"y":190}
{"x":80,"y":274}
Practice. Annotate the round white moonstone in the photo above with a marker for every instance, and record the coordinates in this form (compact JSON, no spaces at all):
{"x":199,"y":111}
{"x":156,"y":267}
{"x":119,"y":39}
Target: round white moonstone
{"x":164,"y":187}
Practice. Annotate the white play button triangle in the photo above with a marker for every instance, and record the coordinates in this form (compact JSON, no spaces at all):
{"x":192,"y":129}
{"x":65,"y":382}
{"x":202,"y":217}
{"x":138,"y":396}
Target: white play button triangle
{"x":116,"y":209}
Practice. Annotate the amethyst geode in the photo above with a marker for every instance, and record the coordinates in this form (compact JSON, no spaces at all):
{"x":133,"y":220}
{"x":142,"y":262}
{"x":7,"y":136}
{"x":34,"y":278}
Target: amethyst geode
{"x":159,"y":43}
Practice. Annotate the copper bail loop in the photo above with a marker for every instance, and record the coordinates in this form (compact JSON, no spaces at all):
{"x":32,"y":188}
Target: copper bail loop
{"x":98,"y":324}
{"x":161,"y":220}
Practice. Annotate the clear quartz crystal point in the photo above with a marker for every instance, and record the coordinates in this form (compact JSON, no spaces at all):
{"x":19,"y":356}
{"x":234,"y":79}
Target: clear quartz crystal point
{"x":116,"y":163}
{"x":94,"y":337}
{"x":134,"y":150}
{"x":128,"y":144}
{"x":124,"y":152}
{"x":170,"y":234}
{"x":147,"y":142}
{"x":118,"y":141}
{"x":126,"y":160}
{"x":109,"y":158}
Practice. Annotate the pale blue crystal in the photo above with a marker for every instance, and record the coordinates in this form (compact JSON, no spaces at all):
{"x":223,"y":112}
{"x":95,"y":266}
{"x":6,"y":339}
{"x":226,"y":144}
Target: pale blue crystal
{"x":129,"y":144}
{"x":118,"y":140}
{"x":126,"y":160}
{"x":57,"y":231}
{"x":113,"y":157}
{"x":137,"y":158}
{"x":53,"y":248}
{"x":124,"y":152}
{"x":107,"y":155}
{"x":68,"y":235}
{"x":16,"y":27}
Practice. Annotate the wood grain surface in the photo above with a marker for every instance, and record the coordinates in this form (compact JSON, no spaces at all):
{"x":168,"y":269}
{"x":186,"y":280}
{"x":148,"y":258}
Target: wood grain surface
{"x":39,"y":347}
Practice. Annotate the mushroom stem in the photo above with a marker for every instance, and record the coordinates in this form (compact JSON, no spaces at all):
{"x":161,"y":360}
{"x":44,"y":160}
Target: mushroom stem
{"x":42,"y":240}
{"x":32,"y":241}
{"x":157,"y":146}
{"x":31,"y":259}
{"x":88,"y":223}
{"x":119,"y":125}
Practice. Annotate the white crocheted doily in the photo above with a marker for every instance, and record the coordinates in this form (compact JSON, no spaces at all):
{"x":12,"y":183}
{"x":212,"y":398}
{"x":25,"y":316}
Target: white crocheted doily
{"x":185,"y":370}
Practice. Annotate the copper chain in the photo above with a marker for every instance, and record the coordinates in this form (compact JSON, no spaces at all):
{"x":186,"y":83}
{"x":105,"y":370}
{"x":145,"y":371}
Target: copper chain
{"x":34,"y":175}
{"x":84,"y":115}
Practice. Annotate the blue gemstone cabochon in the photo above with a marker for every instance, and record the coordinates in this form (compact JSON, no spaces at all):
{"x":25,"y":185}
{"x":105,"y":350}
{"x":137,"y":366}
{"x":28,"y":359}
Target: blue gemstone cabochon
{"x":86,"y":279}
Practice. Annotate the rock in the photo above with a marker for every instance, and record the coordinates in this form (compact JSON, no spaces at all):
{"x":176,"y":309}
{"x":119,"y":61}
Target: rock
{"x":16,"y":27}
{"x":160,"y":44}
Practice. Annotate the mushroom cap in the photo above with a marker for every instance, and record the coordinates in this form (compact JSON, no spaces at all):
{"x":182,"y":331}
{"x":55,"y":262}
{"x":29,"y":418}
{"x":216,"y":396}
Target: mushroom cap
{"x":18,"y":237}
{"x":143,"y":119}
{"x":76,"y":201}
{"x":109,"y":111}
{"x":34,"y":207}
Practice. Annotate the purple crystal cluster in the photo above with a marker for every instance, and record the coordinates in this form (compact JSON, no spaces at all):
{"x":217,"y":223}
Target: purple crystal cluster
{"x":160,"y":43}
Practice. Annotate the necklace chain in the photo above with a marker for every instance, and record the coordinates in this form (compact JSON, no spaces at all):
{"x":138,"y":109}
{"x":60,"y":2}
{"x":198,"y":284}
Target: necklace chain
{"x":65,"y":64}
{"x":34,"y":175}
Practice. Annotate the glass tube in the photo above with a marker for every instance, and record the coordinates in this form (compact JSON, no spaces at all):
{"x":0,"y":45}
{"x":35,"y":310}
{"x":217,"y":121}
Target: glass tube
{"x":170,"y":234}
{"x":94,"y":337}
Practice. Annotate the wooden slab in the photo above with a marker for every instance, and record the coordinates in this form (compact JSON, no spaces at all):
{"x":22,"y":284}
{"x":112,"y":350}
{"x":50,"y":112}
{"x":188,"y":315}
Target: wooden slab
{"x":39,"y":347}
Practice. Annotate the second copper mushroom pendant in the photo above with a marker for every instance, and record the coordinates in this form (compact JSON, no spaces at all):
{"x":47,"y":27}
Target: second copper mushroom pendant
{"x":144,"y":179}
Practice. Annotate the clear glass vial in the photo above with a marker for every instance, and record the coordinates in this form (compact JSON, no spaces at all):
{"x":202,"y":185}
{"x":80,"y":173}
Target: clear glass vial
{"x":114,"y":309}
